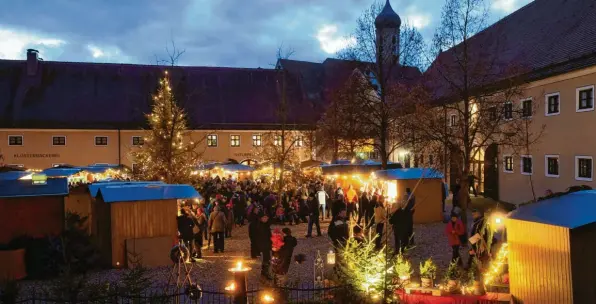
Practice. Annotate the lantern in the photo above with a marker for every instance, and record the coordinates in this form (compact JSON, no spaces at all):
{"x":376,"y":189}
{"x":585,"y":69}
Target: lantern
{"x":331,"y":257}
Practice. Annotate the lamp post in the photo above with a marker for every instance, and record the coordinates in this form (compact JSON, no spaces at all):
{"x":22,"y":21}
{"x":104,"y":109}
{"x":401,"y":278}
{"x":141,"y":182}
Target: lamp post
{"x":239,"y":286}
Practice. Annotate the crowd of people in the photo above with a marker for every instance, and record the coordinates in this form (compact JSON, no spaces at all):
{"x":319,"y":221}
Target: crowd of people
{"x":229,"y":203}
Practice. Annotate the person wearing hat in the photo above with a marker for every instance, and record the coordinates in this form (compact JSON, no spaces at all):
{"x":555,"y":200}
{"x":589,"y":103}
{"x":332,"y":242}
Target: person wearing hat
{"x":478,"y":238}
{"x":454,"y":230}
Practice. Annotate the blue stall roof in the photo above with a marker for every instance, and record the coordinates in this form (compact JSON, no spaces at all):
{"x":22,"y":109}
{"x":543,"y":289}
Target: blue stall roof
{"x":570,"y":210}
{"x":60,"y":172}
{"x":26,"y":188}
{"x":13,"y":175}
{"x":147,"y":192}
{"x":93,"y":188}
{"x":409,"y":173}
{"x":237,"y":167}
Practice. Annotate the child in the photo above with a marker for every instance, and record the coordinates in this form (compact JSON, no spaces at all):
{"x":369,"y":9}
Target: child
{"x":280,"y":214}
{"x":454,"y":230}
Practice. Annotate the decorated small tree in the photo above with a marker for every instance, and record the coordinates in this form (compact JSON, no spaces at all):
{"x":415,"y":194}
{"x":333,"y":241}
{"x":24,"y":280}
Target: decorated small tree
{"x":169,"y":152}
{"x":403,"y":268}
{"x":452,"y":275}
{"x":475,"y":277}
{"x":428,"y":273}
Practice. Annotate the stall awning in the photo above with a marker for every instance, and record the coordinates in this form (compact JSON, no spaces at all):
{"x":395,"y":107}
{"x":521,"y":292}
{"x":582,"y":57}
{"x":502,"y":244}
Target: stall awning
{"x":26,"y":188}
{"x":355,"y":168}
{"x":93,"y":188}
{"x":61,"y":172}
{"x":237,"y":168}
{"x":409,"y":173}
{"x":570,"y":210}
{"x":12,"y":175}
{"x":147,"y":192}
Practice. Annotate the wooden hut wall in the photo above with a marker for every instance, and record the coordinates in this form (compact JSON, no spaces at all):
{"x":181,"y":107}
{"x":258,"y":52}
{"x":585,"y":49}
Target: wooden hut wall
{"x":583,"y":264}
{"x":31,"y":216}
{"x":140,"y":219}
{"x":79,"y":201}
{"x":428,"y":199}
{"x":539,"y":263}
{"x":101,"y":228}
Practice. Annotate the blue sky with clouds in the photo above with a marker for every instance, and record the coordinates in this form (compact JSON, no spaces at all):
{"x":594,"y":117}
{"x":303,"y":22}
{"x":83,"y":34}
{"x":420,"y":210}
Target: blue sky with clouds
{"x":237,"y":33}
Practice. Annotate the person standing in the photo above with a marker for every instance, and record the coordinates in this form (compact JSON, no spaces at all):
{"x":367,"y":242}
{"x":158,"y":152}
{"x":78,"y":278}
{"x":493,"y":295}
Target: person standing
{"x":313,"y":216}
{"x":364,"y":202}
{"x":455,"y":188}
{"x":217,"y":226}
{"x":351,"y":201}
{"x":478,"y":239}
{"x":472,"y":183}
{"x":454,"y":230}
{"x":322,"y":197}
{"x":410,"y":207}
{"x":185,"y":228}
{"x":338,"y":230}
{"x":201,"y":223}
{"x":263,"y":232}
{"x":399,"y":222}
{"x":444,"y":193}
{"x":253,"y":221}
{"x":380,"y":217}
{"x":286,"y":251}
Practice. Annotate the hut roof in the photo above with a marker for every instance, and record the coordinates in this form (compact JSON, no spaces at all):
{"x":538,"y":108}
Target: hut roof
{"x":24,"y":188}
{"x":409,"y":173}
{"x":94,"y":188}
{"x":60,"y":172}
{"x":237,"y":167}
{"x":146,"y":192}
{"x":12,"y":175}
{"x":571,"y":211}
{"x":355,"y":168}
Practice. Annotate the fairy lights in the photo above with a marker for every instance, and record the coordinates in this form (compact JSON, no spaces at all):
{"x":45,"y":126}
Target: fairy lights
{"x":497,"y":266}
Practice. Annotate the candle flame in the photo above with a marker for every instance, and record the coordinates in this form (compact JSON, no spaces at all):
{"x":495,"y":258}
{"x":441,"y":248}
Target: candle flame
{"x":239,"y":265}
{"x":268,"y":298}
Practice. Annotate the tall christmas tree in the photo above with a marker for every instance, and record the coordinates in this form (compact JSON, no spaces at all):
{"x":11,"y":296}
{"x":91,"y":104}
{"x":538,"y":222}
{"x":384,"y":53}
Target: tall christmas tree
{"x":169,"y":152}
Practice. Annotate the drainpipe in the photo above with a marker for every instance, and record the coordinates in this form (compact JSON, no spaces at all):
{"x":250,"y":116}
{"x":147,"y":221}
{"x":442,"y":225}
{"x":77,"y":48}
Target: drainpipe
{"x":119,"y":148}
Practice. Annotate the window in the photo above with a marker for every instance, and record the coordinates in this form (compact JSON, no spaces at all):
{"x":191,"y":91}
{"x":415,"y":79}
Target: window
{"x":526,"y":164}
{"x":138,"y":141}
{"x":552,"y":104}
{"x":508,"y":110}
{"x":585,"y":99}
{"x":101,"y":140}
{"x":583,"y":168}
{"x":234,"y":140}
{"x":299,"y":142}
{"x":431,"y":160}
{"x":551,"y":163}
{"x":277,"y":140}
{"x":15,"y":140}
{"x":508,"y":163}
{"x":421,"y":160}
{"x":526,"y":106}
{"x":492,"y":114}
{"x":407,"y":160}
{"x":257,"y":140}
{"x":452,"y":120}
{"x":416,"y":161}
{"x":211,"y":140}
{"x":58,"y":140}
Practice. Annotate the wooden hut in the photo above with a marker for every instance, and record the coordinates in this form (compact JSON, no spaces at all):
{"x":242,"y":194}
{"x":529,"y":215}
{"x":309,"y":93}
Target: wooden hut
{"x":426,"y":185}
{"x":552,"y":249}
{"x":138,"y":220}
{"x":29,"y":208}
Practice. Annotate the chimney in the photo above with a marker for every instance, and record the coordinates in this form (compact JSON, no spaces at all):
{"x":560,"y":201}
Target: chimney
{"x":32,"y":62}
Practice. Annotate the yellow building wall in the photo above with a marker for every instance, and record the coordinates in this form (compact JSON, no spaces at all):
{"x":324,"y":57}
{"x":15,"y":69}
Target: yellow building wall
{"x":567,"y":134}
{"x":37,"y":151}
{"x":539,"y":263}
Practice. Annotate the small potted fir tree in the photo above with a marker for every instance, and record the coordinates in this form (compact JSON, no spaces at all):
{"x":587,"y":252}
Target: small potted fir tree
{"x":475,"y":278}
{"x":428,"y":272}
{"x":452,"y":276}
{"x":403,"y":268}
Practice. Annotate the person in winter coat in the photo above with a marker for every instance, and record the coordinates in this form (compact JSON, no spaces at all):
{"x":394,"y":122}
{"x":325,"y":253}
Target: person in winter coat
{"x":339,"y":203}
{"x":303,"y":209}
{"x":410,"y":209}
{"x":399,"y":222}
{"x":287,"y":250}
{"x":380,"y":218}
{"x":454,"y":230}
{"x":263,"y":238}
{"x":313,"y":216}
{"x":229,"y":212}
{"x":185,"y":228}
{"x":200,"y":222}
{"x":479,"y":248}
{"x":217,"y":226}
{"x":363,"y":203}
{"x":253,"y":220}
{"x":339,"y":229}
{"x":351,"y":201}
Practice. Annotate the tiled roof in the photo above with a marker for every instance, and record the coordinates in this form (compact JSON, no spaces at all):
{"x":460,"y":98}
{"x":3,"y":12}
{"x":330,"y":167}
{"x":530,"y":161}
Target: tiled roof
{"x":543,"y":38}
{"x":92,"y":95}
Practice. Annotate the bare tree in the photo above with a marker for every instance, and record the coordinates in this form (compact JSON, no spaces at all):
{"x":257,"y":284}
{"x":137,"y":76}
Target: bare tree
{"x":470,"y":104}
{"x":380,"y":63}
{"x":172,"y":56}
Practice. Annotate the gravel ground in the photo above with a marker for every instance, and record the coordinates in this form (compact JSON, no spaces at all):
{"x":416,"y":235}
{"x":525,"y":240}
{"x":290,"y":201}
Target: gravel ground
{"x":213,"y":271}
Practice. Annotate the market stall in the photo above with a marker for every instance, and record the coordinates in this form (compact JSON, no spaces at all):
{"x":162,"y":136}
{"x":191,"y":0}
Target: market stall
{"x":359,"y":175}
{"x":426,"y":184}
{"x":227,"y":170}
{"x":85,"y":174}
{"x":551,"y":250}
{"x":138,"y":219}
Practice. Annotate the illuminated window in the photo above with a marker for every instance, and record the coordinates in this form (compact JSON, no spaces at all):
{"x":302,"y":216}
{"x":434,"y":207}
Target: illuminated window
{"x":235,"y":140}
{"x":277,"y":140}
{"x":508,"y":110}
{"x":452,"y":120}
{"x":138,"y":141}
{"x":508,"y":163}
{"x":58,"y":140}
{"x":299,"y":142}
{"x":257,"y":140}
{"x":15,"y":140}
{"x":211,"y":140}
{"x":101,"y":140}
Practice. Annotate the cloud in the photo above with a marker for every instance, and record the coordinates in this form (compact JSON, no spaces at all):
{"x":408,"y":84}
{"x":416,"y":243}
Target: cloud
{"x":106,"y":53}
{"x":415,"y":18}
{"x":507,"y":6}
{"x":13,"y":43}
{"x":331,"y":42}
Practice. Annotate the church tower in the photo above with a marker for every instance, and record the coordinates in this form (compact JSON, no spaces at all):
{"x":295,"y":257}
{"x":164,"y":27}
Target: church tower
{"x":387,"y":26}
